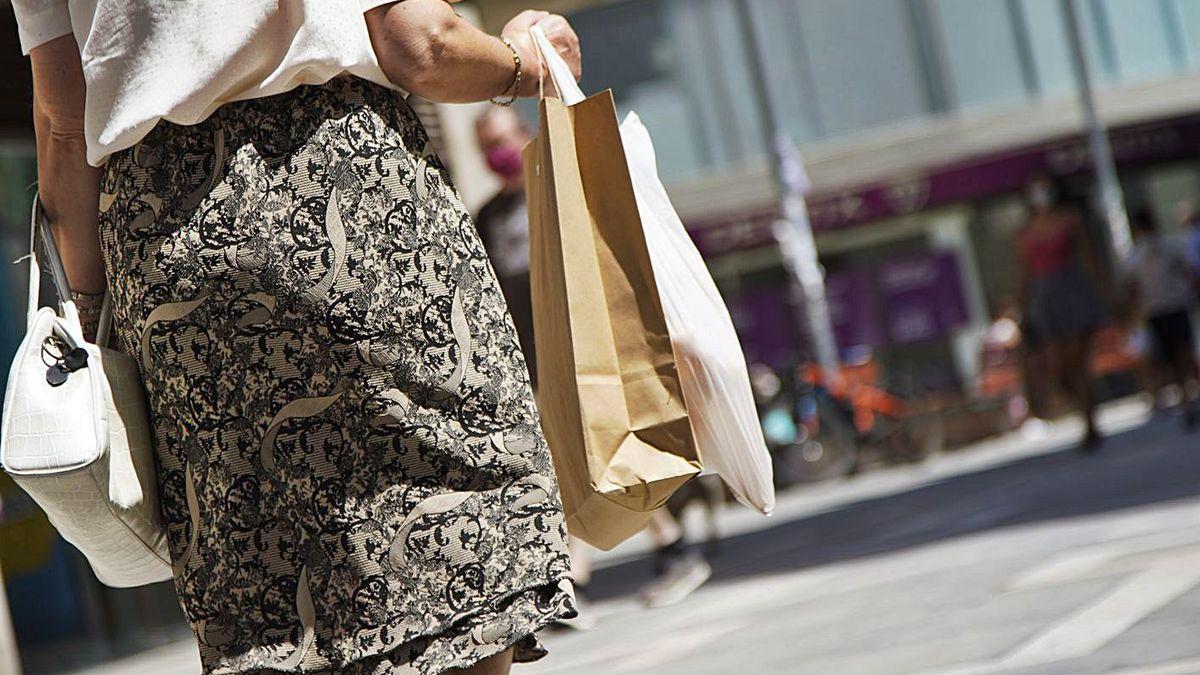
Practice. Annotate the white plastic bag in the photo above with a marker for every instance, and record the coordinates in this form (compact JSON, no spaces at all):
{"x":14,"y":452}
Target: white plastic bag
{"x":712,"y":367}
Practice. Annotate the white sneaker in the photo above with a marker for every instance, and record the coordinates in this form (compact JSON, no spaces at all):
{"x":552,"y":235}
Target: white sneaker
{"x":681,"y":579}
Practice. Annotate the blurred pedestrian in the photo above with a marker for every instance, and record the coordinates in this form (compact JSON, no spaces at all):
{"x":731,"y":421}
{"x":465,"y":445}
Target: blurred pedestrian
{"x":351,"y":471}
{"x":1059,"y":292}
{"x":1189,"y":225}
{"x":678,"y":568}
{"x":503,"y":222}
{"x":1000,"y":371}
{"x":1161,"y":286}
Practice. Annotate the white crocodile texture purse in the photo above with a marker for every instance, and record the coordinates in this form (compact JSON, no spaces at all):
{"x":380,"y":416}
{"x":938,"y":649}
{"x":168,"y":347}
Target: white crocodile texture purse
{"x":78,"y":439}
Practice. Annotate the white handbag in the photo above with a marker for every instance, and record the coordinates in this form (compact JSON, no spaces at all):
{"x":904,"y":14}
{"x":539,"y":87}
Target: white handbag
{"x":76,"y":435}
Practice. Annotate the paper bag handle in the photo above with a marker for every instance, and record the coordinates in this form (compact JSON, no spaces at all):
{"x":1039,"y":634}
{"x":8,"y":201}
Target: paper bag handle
{"x":560,"y":72}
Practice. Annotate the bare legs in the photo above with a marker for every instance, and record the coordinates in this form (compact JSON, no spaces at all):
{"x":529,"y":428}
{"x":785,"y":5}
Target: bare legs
{"x":1185,"y":374}
{"x":1072,"y":360}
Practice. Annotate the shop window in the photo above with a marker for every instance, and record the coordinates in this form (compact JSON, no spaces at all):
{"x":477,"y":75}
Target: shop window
{"x":1046,"y":28}
{"x":865,"y":65}
{"x":1140,"y":41}
{"x":1187,"y":17}
{"x":681,"y":65}
{"x":981,"y":53}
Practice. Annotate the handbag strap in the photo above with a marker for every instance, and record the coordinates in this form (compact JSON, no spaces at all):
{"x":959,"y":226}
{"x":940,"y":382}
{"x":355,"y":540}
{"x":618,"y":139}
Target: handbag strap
{"x":69,"y":322}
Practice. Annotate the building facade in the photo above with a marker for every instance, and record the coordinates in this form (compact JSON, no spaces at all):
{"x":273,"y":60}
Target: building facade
{"x":919,"y":122}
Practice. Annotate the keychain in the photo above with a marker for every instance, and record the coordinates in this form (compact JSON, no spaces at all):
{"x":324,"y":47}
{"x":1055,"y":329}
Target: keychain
{"x":60,"y":362}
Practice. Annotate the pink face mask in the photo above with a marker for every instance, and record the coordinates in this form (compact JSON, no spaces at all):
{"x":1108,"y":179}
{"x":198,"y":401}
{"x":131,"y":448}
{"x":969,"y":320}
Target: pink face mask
{"x":505,"y":160}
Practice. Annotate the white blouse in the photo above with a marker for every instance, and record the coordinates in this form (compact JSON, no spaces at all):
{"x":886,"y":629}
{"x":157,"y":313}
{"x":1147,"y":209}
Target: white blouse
{"x":179,"y":60}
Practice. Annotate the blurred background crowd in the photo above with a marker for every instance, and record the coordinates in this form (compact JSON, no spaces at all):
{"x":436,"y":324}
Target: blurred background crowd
{"x":978,"y":280}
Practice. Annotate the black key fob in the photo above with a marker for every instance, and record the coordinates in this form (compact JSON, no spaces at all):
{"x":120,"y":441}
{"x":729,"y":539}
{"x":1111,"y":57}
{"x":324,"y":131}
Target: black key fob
{"x":57,"y":374}
{"x":75,"y":359}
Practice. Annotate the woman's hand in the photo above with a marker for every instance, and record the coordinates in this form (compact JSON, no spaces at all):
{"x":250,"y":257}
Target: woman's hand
{"x":428,"y":50}
{"x":561,"y":35}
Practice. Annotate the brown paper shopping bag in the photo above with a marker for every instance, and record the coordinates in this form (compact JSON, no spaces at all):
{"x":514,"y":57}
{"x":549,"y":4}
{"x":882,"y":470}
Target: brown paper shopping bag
{"x":611,"y":403}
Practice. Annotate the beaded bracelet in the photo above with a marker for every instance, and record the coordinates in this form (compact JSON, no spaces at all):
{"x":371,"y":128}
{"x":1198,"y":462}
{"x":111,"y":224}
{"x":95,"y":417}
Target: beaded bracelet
{"x":514,"y":88}
{"x":88,"y":303}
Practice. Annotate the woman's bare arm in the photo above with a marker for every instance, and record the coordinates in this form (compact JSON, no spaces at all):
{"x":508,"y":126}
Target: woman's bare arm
{"x":427,"y":49}
{"x":69,"y":187}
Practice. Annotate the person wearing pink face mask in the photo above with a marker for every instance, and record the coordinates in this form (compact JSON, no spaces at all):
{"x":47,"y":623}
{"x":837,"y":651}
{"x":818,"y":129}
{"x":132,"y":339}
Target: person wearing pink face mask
{"x":503,"y":222}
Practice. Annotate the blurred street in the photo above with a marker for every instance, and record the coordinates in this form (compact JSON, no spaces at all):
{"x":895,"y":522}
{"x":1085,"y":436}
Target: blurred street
{"x":1016,"y":556}
{"x":1010,"y":558}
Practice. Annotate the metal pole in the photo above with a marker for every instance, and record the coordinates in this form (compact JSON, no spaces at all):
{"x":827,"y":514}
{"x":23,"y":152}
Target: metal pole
{"x":1111,"y":196}
{"x":794,"y":230}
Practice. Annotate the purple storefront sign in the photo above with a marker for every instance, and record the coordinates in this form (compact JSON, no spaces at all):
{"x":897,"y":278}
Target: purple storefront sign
{"x":978,"y":177}
{"x":1003,"y":172}
{"x":716,"y":238}
{"x":854,"y":308}
{"x":767,"y":325}
{"x":913,"y":299}
{"x":922,"y":297}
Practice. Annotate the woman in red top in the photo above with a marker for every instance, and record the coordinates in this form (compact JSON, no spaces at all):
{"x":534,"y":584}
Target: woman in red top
{"x":1058,"y":292}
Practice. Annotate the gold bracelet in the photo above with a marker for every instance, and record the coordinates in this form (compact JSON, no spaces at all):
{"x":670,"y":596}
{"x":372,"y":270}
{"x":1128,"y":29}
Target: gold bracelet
{"x":515,"y":88}
{"x":88,"y":303}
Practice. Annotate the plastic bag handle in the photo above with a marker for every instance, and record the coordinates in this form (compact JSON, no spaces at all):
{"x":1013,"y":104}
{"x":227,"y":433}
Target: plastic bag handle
{"x":560,"y":72}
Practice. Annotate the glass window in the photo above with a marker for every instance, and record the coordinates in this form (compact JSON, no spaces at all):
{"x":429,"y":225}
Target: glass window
{"x":789,"y":71}
{"x":1047,"y":30}
{"x":1097,"y":42}
{"x":1110,"y":59}
{"x":864,"y":65}
{"x":980,"y":52}
{"x":1187,"y":12}
{"x":728,"y":99}
{"x":1141,"y":45}
{"x":627,"y":47}
{"x":681,"y":65}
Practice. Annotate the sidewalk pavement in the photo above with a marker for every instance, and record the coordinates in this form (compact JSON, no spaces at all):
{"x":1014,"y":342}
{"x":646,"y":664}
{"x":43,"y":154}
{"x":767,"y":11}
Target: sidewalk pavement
{"x":1115,"y":418}
{"x":181,"y":658}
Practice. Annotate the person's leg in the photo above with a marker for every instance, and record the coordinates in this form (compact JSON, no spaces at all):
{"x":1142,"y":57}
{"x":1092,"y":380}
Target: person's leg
{"x":499,"y":664}
{"x":1074,"y":360}
{"x":1165,"y":331}
{"x":667,"y":534}
{"x":678,"y":570}
{"x":581,"y":563}
{"x":1188,"y":363}
{"x":1184,"y":369}
{"x":1175,"y":335}
{"x":664,"y":529}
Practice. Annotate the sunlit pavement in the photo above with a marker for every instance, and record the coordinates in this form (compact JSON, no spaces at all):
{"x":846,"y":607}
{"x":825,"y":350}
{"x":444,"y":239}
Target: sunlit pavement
{"x":1018,"y":556}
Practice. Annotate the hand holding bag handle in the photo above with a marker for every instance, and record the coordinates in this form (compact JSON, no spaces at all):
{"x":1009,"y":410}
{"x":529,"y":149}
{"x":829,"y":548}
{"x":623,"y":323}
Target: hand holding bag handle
{"x":560,"y":73}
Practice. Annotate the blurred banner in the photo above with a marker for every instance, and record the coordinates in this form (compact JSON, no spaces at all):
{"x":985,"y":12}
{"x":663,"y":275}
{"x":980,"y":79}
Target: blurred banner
{"x":922,"y":297}
{"x":905,"y":301}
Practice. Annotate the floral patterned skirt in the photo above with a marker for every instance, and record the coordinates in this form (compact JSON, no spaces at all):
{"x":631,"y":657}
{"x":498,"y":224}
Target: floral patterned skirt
{"x":352,"y":472}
